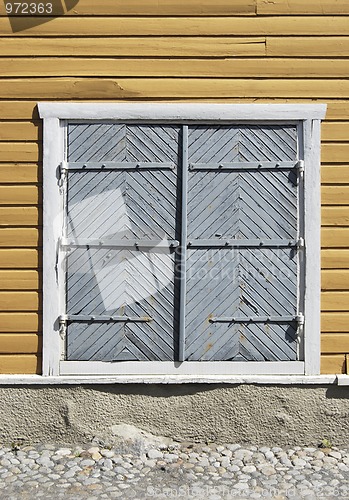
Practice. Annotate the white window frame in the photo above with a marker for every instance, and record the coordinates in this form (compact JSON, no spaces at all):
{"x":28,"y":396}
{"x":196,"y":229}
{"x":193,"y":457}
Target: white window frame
{"x":55,"y":117}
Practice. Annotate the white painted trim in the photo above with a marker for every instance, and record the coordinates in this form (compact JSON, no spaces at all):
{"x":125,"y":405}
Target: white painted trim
{"x":180,"y":112}
{"x":52,"y":227}
{"x":312,"y":218}
{"x":172,"y":379}
{"x":223,"y":368}
{"x":54,"y":113}
{"x":300,"y":234}
{"x":343,"y":379}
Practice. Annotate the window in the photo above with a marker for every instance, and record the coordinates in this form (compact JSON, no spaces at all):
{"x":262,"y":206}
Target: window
{"x":181,"y":239}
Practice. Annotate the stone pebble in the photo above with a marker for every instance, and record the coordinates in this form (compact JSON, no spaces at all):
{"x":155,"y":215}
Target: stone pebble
{"x":182,"y":470}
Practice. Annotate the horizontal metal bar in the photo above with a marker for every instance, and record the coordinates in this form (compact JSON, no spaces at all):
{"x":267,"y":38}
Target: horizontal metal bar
{"x":114,"y":243}
{"x":118,"y":165}
{"x":245,"y":165}
{"x":81,"y":317}
{"x":234,"y":243}
{"x":257,"y":319}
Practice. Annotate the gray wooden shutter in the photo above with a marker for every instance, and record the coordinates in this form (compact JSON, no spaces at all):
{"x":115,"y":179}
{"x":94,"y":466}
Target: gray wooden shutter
{"x":237,"y":210}
{"x":242,"y":243}
{"x":121,"y":222}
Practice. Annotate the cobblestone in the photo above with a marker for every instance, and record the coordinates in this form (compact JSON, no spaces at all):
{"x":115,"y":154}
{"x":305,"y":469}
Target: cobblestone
{"x":183,"y":471}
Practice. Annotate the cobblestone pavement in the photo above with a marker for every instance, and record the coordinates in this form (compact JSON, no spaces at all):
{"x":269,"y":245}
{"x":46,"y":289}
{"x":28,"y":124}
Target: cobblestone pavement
{"x":180,"y":471}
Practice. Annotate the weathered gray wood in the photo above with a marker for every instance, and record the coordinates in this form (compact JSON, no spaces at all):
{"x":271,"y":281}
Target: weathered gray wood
{"x":249,"y":208}
{"x":121,"y":205}
{"x":253,"y":210}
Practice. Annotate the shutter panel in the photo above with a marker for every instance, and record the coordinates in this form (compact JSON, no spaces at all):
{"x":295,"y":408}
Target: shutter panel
{"x":242,"y":234}
{"x":124,"y":221}
{"x":121,"y":222}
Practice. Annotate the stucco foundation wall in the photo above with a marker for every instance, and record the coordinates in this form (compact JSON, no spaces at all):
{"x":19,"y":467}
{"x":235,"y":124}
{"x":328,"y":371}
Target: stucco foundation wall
{"x":279,"y":415}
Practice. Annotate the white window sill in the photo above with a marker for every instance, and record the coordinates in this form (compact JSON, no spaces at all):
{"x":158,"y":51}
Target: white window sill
{"x":176,"y":379}
{"x":343,"y":379}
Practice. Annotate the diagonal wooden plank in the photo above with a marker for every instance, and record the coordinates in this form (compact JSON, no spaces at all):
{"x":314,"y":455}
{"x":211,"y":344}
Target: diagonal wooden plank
{"x":155,"y":210}
{"x":212,"y":144}
{"x":266,"y":278}
{"x":99,"y":208}
{"x":268,"y":143}
{"x":152,"y":143}
{"x":83,"y":339}
{"x":97,"y":142}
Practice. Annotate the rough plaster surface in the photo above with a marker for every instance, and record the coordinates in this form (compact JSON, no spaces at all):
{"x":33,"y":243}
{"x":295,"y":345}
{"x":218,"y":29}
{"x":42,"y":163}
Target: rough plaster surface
{"x":271,"y":415}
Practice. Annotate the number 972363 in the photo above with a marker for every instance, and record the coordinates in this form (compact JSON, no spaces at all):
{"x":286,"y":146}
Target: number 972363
{"x":28,"y":9}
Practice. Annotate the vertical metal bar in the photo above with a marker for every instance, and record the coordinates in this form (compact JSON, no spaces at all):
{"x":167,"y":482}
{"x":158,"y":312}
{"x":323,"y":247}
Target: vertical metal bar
{"x":183,"y":247}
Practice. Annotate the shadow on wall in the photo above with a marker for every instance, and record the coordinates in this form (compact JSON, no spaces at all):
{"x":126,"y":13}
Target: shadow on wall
{"x":336,"y":392}
{"x":24,"y":16}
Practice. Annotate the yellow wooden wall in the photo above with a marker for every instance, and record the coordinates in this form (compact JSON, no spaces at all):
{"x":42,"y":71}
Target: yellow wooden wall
{"x":187,"y":50}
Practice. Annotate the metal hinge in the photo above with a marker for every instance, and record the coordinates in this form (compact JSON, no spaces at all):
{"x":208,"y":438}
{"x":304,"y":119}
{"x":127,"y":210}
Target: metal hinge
{"x":300,"y":243}
{"x":119,"y":243}
{"x":63,"y":170}
{"x":244,"y":165}
{"x":64,"y":318}
{"x":254,"y":319}
{"x":243,"y":243}
{"x":300,"y":330}
{"x":62,"y":326}
{"x":300,"y":166}
{"x":117,"y":165}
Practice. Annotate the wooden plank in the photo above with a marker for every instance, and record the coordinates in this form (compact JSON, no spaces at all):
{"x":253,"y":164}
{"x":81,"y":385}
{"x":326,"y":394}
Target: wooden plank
{"x":141,"y":67}
{"x":335,"y":322}
{"x":335,"y":131}
{"x":19,"y":301}
{"x":19,"y":216}
{"x":335,"y":259}
{"x":19,"y":131}
{"x":19,"y":237}
{"x":13,"y":173}
{"x":25,"y":364}
{"x":167,"y":26}
{"x":334,"y":174}
{"x":334,"y":237}
{"x":18,"y":110}
{"x":19,"y":151}
{"x":19,"y":195}
{"x":20,"y":343}
{"x":335,"y":343}
{"x":213,"y":47}
{"x":140,"y":88}
{"x":19,"y":259}
{"x":310,"y":7}
{"x":335,"y":301}
{"x":333,"y":364}
{"x":335,"y":195}
{"x":332,"y":280}
{"x":335,"y":216}
{"x":334,"y":153}
{"x":337,"y":110}
{"x":154,"y":8}
{"x":20,"y":322}
{"x":279,"y":46}
{"x":19,"y":280}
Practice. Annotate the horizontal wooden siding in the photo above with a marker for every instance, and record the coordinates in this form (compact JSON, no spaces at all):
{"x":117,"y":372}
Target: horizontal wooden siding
{"x":164,"y":50}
